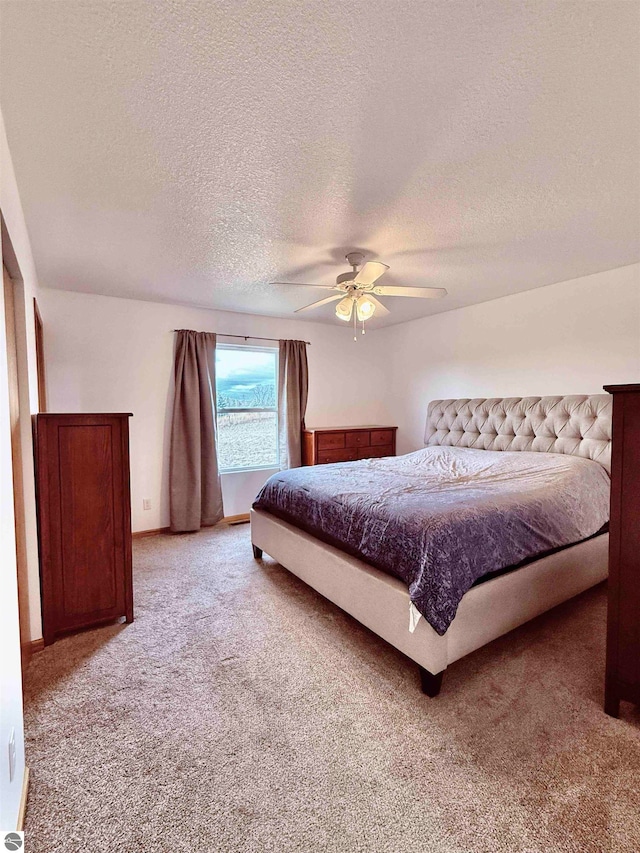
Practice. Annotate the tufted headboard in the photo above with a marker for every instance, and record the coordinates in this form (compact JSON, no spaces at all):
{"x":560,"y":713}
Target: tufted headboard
{"x":579,"y":425}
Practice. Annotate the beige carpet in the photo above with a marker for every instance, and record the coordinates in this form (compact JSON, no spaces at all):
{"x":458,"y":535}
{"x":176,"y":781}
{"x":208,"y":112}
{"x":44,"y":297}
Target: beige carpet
{"x":242,"y":712}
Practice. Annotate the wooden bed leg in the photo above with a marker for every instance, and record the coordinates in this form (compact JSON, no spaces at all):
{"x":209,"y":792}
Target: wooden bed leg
{"x":257,"y":552}
{"x":431,"y":683}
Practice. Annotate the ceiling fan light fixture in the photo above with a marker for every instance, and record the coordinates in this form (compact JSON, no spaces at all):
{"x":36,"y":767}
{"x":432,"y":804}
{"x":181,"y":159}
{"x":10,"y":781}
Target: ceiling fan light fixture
{"x":365,"y":308}
{"x":344,"y":309}
{"x":360,"y":287}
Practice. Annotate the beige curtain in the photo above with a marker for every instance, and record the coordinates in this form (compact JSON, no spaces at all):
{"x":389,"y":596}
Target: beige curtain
{"x":194,"y":485}
{"x":293,"y":385}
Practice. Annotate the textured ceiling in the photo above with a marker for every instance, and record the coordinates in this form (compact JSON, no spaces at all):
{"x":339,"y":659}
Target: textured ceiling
{"x":193,"y":152}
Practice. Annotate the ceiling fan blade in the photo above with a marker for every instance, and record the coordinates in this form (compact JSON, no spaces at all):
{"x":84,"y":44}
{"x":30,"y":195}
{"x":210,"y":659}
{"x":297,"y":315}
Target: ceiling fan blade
{"x":420,"y":292}
{"x":381,"y":310}
{"x":302,"y":284}
{"x":320,"y":302}
{"x":370,"y":272}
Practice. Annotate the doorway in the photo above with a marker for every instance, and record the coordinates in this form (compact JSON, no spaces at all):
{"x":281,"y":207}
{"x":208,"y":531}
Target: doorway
{"x":10,"y":288}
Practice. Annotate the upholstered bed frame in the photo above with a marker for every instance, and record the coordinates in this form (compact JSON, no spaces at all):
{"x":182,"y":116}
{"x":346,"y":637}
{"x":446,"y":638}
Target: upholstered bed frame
{"x":577,"y":425}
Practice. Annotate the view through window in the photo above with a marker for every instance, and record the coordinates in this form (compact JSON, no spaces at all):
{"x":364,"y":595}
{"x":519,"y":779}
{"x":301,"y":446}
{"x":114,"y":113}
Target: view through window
{"x":246,"y":399}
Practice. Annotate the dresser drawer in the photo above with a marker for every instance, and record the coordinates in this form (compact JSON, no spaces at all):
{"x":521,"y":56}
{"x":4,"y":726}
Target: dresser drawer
{"x":330,"y":440}
{"x":347,"y":454}
{"x":357,"y":439}
{"x":371,"y":452}
{"x":322,"y":445}
{"x":382,"y":436}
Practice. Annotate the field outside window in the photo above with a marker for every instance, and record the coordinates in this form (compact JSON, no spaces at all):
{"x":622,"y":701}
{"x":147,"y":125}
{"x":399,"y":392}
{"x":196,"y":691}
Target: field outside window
{"x":246,"y":401}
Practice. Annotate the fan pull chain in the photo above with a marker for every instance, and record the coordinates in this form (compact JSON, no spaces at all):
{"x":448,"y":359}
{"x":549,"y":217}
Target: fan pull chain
{"x":355,"y":326}
{"x":363,"y":327}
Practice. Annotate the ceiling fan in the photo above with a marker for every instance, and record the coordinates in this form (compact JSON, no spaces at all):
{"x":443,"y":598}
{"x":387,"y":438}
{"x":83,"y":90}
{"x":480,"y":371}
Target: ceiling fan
{"x":358,"y":290}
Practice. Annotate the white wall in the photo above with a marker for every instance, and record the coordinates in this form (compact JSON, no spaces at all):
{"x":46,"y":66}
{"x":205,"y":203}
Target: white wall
{"x":567,"y":338}
{"x":23,"y":273}
{"x":20,"y":264}
{"x":22,"y":269}
{"x":110,"y":354}
{"x":10,"y":675}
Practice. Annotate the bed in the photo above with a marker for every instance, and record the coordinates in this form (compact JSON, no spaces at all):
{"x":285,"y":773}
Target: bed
{"x":498,"y":519}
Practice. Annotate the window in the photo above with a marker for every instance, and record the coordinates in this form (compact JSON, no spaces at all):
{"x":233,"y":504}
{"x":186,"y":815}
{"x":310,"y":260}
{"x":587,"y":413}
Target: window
{"x":246,"y":400}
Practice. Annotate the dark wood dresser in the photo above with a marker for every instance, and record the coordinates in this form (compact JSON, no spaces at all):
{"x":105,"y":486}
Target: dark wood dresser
{"x":84,"y":520}
{"x":345,"y":444}
{"x":623,"y":623}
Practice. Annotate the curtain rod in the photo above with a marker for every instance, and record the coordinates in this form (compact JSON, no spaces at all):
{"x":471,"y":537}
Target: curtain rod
{"x":247,"y":337}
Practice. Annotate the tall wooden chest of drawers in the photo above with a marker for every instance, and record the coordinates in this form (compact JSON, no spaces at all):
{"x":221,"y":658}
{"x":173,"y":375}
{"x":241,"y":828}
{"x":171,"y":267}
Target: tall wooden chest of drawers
{"x":623,"y":628}
{"x":345,"y":444}
{"x":84,"y":520}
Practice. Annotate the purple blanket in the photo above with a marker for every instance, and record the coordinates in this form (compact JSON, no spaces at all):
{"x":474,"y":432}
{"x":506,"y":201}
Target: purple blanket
{"x":443,"y":517}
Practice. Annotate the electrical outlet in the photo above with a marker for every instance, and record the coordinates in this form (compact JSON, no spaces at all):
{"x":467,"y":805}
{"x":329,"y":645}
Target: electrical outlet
{"x":146,"y":503}
{"x":12,"y":754}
